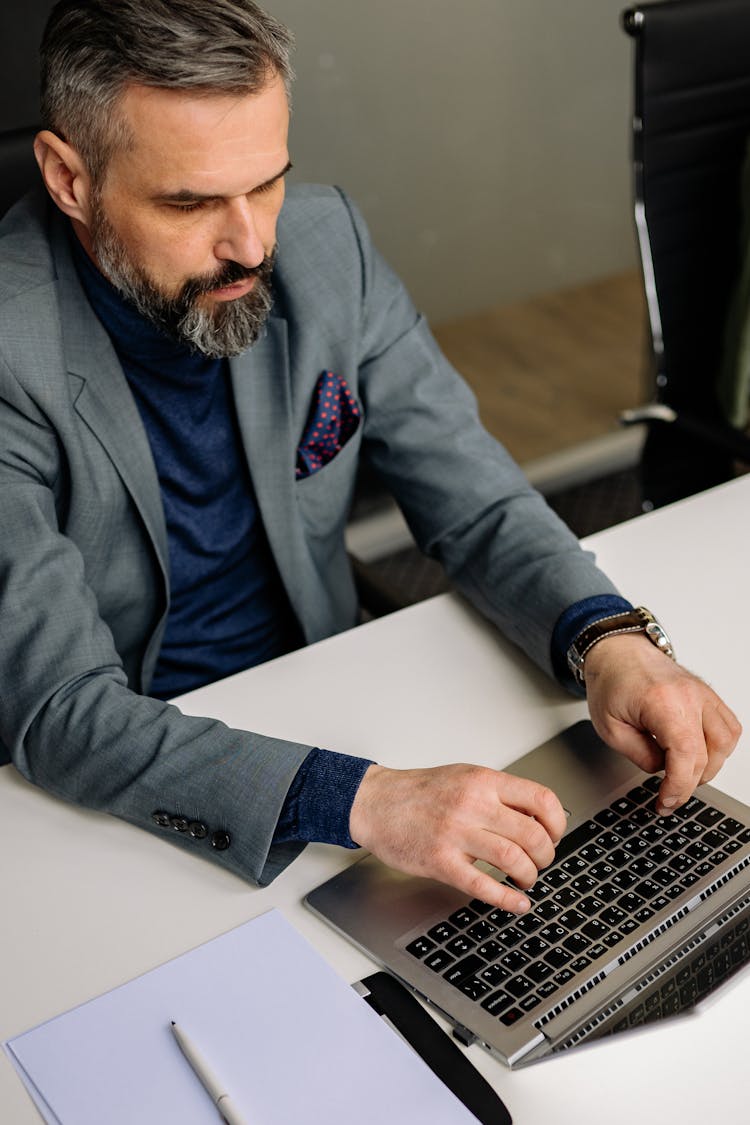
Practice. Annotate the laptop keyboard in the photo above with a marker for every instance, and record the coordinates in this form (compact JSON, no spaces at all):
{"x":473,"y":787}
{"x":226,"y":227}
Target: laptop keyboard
{"x":610,"y":876}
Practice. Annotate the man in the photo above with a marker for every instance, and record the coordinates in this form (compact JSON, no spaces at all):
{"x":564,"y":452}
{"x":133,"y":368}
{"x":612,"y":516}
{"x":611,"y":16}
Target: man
{"x":169,"y":515}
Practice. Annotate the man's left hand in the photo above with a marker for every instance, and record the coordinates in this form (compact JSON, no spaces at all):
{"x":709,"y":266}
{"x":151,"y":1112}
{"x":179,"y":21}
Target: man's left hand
{"x":659,"y":715}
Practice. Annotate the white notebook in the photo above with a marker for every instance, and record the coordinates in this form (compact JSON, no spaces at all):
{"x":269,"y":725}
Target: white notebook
{"x":290,"y":1039}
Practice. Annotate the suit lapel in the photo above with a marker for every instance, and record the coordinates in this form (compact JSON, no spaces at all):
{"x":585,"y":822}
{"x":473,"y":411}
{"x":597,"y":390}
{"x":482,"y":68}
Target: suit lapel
{"x":103,"y":398}
{"x":262,"y":394}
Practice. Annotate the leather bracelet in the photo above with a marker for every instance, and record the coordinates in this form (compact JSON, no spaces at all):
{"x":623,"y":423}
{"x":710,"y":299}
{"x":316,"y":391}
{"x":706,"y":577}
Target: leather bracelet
{"x":639,"y":620}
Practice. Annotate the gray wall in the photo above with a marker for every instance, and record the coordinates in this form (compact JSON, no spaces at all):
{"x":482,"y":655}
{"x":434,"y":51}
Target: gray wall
{"x":486,"y":141}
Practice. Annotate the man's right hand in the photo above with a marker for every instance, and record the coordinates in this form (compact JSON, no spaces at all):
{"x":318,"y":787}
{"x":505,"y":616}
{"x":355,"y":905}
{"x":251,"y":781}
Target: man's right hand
{"x":439,"y":822}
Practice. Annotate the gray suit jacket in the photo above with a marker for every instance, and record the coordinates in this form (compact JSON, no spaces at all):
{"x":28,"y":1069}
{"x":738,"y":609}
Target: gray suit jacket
{"x":84,"y":583}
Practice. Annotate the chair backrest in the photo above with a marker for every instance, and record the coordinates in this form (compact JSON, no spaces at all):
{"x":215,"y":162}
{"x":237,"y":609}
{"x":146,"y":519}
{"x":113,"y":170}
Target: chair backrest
{"x":691,"y":129}
{"x":21,"y":26}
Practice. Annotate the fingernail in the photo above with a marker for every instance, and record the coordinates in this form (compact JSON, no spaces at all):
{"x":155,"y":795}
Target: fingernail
{"x":523,"y":905}
{"x":667,"y":804}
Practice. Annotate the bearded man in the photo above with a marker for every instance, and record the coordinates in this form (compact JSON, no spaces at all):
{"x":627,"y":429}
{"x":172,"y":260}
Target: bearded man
{"x":192,"y":368}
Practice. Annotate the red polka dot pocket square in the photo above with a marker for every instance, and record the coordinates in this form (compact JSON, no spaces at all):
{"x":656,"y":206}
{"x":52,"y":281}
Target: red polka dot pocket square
{"x":333,"y":418}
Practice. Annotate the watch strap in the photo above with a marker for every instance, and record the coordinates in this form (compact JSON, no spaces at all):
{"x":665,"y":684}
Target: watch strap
{"x":638,"y":620}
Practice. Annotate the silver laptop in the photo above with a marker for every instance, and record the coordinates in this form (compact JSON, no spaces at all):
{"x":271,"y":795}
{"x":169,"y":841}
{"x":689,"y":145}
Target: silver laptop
{"x":637,"y":918}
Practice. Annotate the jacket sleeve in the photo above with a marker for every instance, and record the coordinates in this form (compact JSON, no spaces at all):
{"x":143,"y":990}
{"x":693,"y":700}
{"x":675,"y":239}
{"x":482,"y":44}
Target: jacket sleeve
{"x":466,"y":501}
{"x":68,"y":719}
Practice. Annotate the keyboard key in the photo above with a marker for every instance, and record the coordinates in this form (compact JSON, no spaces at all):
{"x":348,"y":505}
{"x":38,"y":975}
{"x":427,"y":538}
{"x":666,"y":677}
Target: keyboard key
{"x":539,"y":971}
{"x":518,"y":986}
{"x":584,"y":885}
{"x":622,"y":806}
{"x":608,"y":841}
{"x":494,"y":975}
{"x":606,"y":818}
{"x":547,"y":988}
{"x":442,"y":931}
{"x":579,"y":964}
{"x":489,"y":950}
{"x":529,"y":1002}
{"x":614,"y":916}
{"x":575,"y":839}
{"x":591,"y":852}
{"x":528,"y":923}
{"x":557,"y":957}
{"x":576,"y":943}
{"x":565,"y":897}
{"x":601,"y":870}
{"x":534,"y":947}
{"x":562,"y":977}
{"x":438,"y":960}
{"x":571,"y":919}
{"x":590,"y":905}
{"x":643,"y":915}
{"x":556,"y":878}
{"x":639,"y":795}
{"x":466,"y":967}
{"x":512,"y":1016}
{"x":709,"y":816}
{"x":548,"y":909}
{"x":420,"y":947}
{"x":648,"y":889}
{"x":635,"y":845}
{"x":618,"y":858}
{"x":714,"y":838}
{"x":500,"y":917}
{"x":608,"y":892}
{"x":553,"y":933}
{"x":481,"y":930}
{"x":474,"y":988}
{"x":463,"y":917}
{"x":595,"y":930}
{"x":460,"y":945}
{"x":514,"y":960}
{"x":625,"y":880}
{"x":497,"y":1003}
{"x":509,"y":936}
{"x":480,"y":907}
{"x":643,"y":866}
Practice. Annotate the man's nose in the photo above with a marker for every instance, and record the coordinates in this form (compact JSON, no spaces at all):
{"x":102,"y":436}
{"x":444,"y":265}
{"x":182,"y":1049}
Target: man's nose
{"x":239,"y":240}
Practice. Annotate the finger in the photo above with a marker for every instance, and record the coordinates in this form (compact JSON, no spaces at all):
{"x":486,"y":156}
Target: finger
{"x":476,"y":883}
{"x":532,"y":800}
{"x":508,"y":856}
{"x":722,"y":730}
{"x":639,"y":746}
{"x":685,"y":759}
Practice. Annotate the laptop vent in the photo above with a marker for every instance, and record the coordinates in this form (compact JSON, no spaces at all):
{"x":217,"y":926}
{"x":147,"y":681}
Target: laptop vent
{"x":725,"y":878}
{"x":588,"y":1028}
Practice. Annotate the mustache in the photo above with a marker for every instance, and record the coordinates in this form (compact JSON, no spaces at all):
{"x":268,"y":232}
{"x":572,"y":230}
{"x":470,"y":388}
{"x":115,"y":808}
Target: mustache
{"x":229,"y":274}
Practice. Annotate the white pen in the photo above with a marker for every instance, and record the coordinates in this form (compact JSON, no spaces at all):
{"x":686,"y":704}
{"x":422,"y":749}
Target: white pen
{"x":213,"y":1086}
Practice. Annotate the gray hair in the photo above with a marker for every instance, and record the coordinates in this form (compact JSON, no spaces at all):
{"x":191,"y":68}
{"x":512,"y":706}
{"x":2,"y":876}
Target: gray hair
{"x":93,"y":49}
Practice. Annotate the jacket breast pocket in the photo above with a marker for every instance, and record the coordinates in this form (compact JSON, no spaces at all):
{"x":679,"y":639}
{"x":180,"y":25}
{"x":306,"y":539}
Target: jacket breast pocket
{"x":325,"y":497}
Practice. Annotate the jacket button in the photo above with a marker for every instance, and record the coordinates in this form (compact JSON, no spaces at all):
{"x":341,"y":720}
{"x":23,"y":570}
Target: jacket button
{"x":161,"y":818}
{"x":180,"y":823}
{"x":198,"y":829}
{"x":220,"y":840}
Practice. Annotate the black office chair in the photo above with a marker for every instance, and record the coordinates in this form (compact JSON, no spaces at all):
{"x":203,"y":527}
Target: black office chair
{"x":21,"y":27}
{"x":691,"y":125}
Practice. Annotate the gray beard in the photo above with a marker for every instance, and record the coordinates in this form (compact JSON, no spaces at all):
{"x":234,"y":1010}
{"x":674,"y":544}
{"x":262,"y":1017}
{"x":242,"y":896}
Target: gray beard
{"x":226,"y":330}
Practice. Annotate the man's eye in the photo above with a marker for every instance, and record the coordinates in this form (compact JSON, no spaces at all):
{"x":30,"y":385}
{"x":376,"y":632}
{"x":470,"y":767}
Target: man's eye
{"x":187,"y":207}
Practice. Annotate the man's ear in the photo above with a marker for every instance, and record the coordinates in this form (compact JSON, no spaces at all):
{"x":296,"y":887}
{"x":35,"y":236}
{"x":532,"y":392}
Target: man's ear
{"x":64,"y":173}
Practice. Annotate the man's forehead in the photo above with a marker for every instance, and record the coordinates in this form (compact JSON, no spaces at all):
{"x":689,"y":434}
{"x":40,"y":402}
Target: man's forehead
{"x":193,"y":140}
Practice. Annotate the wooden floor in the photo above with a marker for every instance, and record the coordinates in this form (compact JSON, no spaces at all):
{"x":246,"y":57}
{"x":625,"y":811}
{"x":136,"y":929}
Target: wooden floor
{"x":556,"y":370}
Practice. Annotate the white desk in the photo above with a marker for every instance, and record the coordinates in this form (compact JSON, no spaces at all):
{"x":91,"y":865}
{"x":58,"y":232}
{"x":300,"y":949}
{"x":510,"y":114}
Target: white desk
{"x":89,"y":902}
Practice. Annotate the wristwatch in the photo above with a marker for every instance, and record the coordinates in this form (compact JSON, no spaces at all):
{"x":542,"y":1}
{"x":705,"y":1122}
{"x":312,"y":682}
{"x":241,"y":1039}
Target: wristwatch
{"x":639,"y":620}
